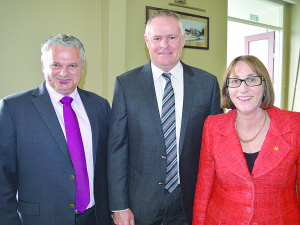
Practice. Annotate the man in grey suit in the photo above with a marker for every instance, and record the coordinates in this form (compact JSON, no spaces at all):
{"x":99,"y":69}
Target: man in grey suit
{"x":38,"y":160}
{"x":155,"y":133}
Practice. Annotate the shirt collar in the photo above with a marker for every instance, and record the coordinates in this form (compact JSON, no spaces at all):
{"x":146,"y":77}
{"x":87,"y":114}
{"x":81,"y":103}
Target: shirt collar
{"x":158,"y":72}
{"x":56,"y":97}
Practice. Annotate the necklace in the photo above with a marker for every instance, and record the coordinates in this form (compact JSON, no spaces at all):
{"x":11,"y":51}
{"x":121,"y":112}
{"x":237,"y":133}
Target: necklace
{"x":246,"y":141}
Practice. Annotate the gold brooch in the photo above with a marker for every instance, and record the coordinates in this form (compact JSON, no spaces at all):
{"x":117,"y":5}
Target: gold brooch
{"x":276,"y":148}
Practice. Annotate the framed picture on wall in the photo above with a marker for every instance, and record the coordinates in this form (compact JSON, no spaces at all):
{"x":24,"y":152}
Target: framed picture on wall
{"x":196,"y":28}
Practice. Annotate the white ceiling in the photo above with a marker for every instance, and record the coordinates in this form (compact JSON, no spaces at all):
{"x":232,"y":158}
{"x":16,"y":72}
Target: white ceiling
{"x":292,"y":1}
{"x":287,"y":1}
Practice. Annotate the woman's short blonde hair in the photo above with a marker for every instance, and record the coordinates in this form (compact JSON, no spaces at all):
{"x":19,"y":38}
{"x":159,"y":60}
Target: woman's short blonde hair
{"x":260,"y":70}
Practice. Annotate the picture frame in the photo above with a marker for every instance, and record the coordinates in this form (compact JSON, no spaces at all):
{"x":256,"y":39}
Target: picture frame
{"x":195,"y":26}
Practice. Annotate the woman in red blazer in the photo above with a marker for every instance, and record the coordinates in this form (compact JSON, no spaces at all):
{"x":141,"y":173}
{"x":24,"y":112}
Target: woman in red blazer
{"x":249,"y":170}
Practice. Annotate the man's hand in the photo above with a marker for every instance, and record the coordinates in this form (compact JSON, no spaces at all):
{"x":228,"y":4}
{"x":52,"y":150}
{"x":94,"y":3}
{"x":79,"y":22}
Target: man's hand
{"x":124,"y":217}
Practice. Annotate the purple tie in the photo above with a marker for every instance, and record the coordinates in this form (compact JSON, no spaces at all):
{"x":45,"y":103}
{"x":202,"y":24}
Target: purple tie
{"x":76,"y":150}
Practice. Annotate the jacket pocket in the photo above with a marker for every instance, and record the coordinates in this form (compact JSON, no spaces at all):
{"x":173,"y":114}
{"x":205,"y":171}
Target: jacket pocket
{"x":200,"y":108}
{"x":133,"y":173}
{"x":28,"y":208}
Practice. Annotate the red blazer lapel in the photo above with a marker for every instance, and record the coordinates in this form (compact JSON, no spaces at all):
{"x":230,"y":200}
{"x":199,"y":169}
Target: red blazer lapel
{"x":230,"y":150}
{"x":276,"y":145}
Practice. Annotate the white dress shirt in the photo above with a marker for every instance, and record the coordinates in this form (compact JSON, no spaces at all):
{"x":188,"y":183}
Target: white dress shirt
{"x":85,"y":130}
{"x":177,"y":83}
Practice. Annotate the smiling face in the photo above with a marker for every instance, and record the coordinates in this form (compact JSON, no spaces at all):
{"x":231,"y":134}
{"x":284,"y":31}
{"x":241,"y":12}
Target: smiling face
{"x":246,"y":99}
{"x":164,"y":42}
{"x":62,"y":68}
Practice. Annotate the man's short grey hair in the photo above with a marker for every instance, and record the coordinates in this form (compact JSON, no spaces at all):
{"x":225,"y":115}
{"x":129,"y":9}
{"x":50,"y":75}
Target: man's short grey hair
{"x":65,"y":40}
{"x":164,"y":13}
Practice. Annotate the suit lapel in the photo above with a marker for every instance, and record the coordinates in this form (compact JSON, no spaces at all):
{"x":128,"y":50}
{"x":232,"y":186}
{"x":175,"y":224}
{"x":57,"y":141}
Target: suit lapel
{"x":92,"y":115}
{"x":44,"y":106}
{"x":147,"y":85}
{"x":273,"y":151}
{"x":230,"y":150}
{"x":275,"y":147}
{"x":189,"y":89}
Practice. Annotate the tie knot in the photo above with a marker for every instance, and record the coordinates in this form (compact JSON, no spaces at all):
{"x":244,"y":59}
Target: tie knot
{"x":167,"y":76}
{"x":66,"y":99}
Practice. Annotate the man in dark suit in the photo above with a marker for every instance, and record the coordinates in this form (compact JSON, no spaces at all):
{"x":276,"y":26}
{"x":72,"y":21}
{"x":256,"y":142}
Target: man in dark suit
{"x":55,"y":180}
{"x":155,"y":133}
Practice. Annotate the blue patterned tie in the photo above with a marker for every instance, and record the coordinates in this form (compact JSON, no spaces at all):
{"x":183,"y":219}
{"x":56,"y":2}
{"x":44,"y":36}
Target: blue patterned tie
{"x":169,"y":129}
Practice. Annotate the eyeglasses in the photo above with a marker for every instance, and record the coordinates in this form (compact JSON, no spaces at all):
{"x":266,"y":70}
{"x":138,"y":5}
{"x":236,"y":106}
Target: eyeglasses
{"x":250,"y":81}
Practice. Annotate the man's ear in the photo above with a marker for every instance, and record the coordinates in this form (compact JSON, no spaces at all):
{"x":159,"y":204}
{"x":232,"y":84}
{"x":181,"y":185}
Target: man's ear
{"x":43,"y":64}
{"x":146,"y":40}
{"x":82,"y":67}
{"x":183,"y":39}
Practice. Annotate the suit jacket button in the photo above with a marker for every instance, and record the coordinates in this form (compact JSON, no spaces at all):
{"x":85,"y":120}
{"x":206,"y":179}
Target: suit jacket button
{"x":160,"y":183}
{"x":248,"y":210}
{"x":249,"y":196}
{"x":164,"y":157}
{"x":72,"y":177}
{"x":72,"y":206}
